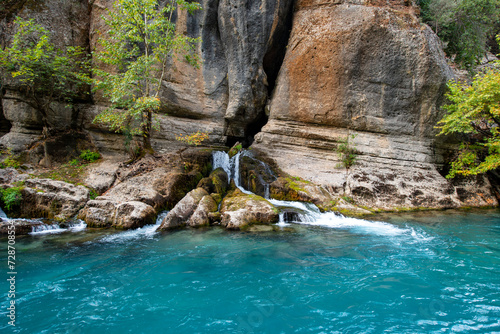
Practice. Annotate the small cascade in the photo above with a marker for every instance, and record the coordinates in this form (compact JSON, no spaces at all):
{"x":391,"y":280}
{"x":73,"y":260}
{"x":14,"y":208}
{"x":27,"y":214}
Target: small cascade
{"x":301,"y":212}
{"x":39,"y":227}
{"x":3,"y":215}
{"x":230,"y":165}
{"x":266,"y":191}
{"x":145,"y":232}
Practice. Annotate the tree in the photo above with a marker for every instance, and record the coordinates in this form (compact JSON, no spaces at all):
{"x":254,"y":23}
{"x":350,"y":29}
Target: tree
{"x":474,"y":111}
{"x":141,"y":40}
{"x":45,"y":73}
{"x":464,"y":26}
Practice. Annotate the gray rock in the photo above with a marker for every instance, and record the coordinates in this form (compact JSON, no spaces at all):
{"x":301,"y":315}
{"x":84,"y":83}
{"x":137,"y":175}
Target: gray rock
{"x":99,"y":213}
{"x":126,"y":215}
{"x":202,"y":215}
{"x":102,"y":176}
{"x":10,"y":175}
{"x":134,"y":214}
{"x":183,"y":210}
{"x":52,"y":199}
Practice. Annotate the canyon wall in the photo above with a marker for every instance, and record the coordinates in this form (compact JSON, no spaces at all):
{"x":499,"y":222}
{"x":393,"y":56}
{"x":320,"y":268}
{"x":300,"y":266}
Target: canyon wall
{"x":294,"y":79}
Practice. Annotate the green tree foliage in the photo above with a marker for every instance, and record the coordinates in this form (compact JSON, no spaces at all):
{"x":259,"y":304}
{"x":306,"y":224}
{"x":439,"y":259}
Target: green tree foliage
{"x":11,"y":198}
{"x":46,"y":74}
{"x":464,"y":26}
{"x":141,"y":40}
{"x":475,"y":111}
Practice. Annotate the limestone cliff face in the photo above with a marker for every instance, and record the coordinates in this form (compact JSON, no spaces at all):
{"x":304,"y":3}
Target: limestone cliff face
{"x":243,"y":44}
{"x":363,"y":67}
{"x":356,"y":68}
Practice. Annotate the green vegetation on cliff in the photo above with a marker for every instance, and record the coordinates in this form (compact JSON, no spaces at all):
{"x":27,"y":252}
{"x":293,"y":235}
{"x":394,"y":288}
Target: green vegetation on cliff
{"x":474,"y":112}
{"x":46,"y":73}
{"x":465,"y":26}
{"x":142,"y":39}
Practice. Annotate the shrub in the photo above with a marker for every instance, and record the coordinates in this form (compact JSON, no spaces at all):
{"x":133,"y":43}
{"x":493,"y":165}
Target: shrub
{"x":347,"y":152}
{"x":11,"y":197}
{"x":89,"y":156}
{"x":193,"y":139}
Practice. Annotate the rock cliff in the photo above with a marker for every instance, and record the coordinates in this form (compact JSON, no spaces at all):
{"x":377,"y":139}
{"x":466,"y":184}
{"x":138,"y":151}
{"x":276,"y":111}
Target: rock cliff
{"x":295,"y":78}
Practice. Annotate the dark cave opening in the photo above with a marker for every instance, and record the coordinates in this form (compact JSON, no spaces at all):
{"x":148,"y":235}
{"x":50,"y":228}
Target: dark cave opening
{"x":271,"y":64}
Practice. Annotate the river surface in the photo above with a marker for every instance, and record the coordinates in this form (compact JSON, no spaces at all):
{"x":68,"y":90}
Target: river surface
{"x":427,"y":273}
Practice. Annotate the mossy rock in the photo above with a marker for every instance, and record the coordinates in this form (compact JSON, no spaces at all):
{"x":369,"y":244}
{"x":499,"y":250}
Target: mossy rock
{"x":240,"y":210}
{"x":235,"y":149}
{"x":296,"y":189}
{"x":216,"y":182}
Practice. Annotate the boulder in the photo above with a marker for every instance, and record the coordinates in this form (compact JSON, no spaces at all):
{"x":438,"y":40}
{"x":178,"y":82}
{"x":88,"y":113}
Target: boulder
{"x":98,"y":213}
{"x":216,"y":182}
{"x":134,"y":214}
{"x":204,"y":213}
{"x":21,"y":227}
{"x":101,"y":176}
{"x":239,"y":210}
{"x":52,"y":199}
{"x":144,"y":188}
{"x":296,"y":189}
{"x":183,"y":210}
{"x":125,"y":215}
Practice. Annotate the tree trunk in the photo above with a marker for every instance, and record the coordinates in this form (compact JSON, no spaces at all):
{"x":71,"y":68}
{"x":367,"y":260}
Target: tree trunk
{"x":146,"y":132}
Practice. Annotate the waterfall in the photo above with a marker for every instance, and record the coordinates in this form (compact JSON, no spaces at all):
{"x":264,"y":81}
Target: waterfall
{"x":289,"y":211}
{"x":301,"y":212}
{"x":3,"y":215}
{"x":230,"y":165}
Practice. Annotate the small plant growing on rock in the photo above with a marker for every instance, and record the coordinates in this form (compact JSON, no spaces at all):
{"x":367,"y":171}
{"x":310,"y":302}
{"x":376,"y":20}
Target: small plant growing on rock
{"x":10,"y":161}
{"x":11,"y":197}
{"x":89,"y":156}
{"x":347,"y":152}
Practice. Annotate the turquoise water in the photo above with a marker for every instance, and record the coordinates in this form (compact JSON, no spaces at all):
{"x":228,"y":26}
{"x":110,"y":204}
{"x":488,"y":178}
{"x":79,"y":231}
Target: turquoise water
{"x":411,"y":274}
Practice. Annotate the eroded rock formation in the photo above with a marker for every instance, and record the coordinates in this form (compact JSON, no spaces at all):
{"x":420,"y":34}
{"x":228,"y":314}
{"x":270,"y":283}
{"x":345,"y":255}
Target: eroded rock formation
{"x":356,"y":68}
{"x":346,"y":67}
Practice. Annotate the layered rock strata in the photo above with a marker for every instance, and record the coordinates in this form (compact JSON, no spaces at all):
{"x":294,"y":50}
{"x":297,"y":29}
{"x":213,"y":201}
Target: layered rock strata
{"x":353,"y":68}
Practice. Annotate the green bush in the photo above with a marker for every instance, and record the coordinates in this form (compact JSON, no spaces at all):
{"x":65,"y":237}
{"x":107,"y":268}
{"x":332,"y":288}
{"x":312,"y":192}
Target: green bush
{"x":89,"y":156}
{"x":11,"y":197}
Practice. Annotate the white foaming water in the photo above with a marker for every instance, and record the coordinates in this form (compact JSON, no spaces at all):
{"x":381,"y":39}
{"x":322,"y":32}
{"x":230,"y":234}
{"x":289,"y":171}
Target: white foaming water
{"x":221,"y":159}
{"x":80,"y":226}
{"x":55,"y":228}
{"x":308,"y":213}
{"x":3,"y":215}
{"x":334,"y":220}
{"x":147,"y":232}
{"x":230,"y":165}
{"x":311,"y":215}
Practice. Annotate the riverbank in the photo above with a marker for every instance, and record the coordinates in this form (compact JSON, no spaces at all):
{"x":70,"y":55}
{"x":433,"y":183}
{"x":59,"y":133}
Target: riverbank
{"x":201,"y":187}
